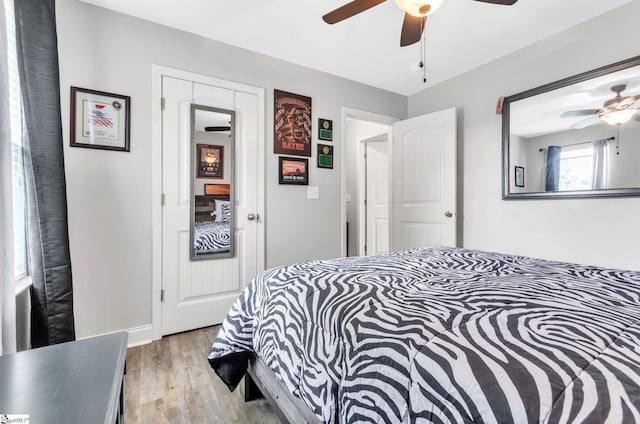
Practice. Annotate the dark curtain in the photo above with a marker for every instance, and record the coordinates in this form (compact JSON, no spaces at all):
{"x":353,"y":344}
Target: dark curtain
{"x":49,"y":259}
{"x":553,"y":168}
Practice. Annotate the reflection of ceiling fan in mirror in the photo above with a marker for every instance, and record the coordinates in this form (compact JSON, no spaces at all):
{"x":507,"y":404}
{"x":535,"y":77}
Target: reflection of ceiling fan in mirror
{"x":217,"y":129}
{"x":615,"y":111}
{"x":415,"y":16}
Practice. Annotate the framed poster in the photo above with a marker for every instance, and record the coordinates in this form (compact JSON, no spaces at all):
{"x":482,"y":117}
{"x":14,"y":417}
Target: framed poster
{"x":292,"y":123}
{"x":99,"y":120}
{"x":210,"y":161}
{"x":325,"y":156}
{"x":519,"y":176}
{"x":293,"y":171}
{"x":325,"y":129}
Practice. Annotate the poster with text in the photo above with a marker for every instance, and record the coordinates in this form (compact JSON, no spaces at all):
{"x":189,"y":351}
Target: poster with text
{"x":292,"y":123}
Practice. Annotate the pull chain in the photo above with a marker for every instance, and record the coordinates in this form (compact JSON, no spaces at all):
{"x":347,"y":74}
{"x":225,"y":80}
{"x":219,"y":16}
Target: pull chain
{"x":423,"y":52}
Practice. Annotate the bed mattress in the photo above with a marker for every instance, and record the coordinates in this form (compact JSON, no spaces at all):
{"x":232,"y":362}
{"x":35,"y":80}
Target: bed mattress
{"x":211,"y":236}
{"x":443,"y":335}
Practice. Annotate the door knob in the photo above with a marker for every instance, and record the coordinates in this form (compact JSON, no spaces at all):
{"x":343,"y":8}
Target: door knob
{"x":448,"y":214}
{"x":252,"y":217}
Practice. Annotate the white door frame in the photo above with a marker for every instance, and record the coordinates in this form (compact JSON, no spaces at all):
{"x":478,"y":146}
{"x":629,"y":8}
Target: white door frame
{"x":362,"y":186}
{"x":158,"y":72}
{"x":362,"y":115}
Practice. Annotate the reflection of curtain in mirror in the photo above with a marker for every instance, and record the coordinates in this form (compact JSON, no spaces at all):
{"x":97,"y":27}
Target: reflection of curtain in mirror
{"x":540,"y":171}
{"x":600,"y":160}
{"x":552,"y":179}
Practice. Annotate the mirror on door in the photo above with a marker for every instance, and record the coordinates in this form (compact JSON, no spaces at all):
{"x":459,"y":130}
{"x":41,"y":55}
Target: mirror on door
{"x":212,"y":182}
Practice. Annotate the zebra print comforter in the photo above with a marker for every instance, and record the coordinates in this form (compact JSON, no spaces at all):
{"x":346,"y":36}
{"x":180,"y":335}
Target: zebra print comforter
{"x":443,"y":335}
{"x":211,"y":235}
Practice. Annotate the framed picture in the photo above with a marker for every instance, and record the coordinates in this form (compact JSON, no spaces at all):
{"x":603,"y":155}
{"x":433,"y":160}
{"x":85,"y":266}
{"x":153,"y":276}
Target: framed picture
{"x":519,"y":176}
{"x":210,"y":161}
{"x":99,"y":120}
{"x":292,"y":123}
{"x":293,"y":171}
{"x":325,"y":129}
{"x":325,"y":156}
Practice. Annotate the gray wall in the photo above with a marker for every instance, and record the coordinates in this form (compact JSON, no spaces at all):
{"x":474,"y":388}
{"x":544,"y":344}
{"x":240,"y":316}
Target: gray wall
{"x":594,"y":231}
{"x":109,"y":192}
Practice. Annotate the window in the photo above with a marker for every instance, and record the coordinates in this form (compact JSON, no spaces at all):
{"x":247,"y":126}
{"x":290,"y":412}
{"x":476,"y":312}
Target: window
{"x":17,"y":162}
{"x":576,"y":167}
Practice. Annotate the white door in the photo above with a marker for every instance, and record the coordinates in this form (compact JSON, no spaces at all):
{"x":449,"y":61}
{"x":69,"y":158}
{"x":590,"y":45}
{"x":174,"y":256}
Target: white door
{"x":200,"y":293}
{"x":377,"y":195}
{"x":423,"y":209}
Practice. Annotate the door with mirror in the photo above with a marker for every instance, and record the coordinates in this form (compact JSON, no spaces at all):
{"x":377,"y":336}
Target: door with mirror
{"x":212,"y":241}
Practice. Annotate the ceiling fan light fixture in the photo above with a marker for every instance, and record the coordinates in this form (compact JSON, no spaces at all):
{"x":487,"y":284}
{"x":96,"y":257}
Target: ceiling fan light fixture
{"x":419,"y":8}
{"x":618,"y":117}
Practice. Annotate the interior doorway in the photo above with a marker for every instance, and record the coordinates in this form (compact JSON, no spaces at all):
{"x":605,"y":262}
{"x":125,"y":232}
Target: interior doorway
{"x":421,"y":178}
{"x":358,"y":127}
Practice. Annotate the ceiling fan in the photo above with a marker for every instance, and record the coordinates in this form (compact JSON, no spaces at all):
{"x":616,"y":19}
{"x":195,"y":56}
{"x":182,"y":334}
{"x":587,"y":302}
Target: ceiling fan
{"x":415,"y":16}
{"x":615,"y":111}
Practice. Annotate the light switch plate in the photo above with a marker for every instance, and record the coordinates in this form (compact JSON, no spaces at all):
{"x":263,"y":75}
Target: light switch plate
{"x":347,"y":197}
{"x":313,"y":192}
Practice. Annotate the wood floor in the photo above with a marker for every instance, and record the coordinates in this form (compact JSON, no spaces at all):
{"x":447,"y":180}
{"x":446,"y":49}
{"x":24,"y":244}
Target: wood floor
{"x":170,"y":381}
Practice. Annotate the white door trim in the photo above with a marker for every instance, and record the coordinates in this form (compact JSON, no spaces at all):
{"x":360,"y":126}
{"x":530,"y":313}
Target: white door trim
{"x":348,"y":112}
{"x":157,"y":71}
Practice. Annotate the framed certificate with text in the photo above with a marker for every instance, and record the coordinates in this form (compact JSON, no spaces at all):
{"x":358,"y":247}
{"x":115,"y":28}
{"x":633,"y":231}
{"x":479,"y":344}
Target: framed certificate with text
{"x":99,"y":120}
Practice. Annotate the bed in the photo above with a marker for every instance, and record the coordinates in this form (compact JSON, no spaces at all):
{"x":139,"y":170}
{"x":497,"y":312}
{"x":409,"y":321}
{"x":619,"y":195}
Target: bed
{"x":440,"y":335}
{"x":212,"y":220}
{"x":211,"y":236}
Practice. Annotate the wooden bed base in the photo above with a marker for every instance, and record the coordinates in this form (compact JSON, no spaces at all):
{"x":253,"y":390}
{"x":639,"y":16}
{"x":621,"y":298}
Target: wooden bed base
{"x":260,"y":380}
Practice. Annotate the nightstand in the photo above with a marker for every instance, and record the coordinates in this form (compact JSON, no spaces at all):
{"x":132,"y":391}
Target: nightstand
{"x":76,"y":382}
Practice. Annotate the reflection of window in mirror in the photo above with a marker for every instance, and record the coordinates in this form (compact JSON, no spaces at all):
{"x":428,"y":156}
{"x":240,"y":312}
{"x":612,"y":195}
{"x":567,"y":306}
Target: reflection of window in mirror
{"x":576,"y":168}
{"x":579,"y":166}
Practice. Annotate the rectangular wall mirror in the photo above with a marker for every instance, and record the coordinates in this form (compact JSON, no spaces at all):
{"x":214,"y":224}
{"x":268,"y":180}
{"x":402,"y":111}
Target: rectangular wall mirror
{"x":578,"y":137}
{"x":212,"y":182}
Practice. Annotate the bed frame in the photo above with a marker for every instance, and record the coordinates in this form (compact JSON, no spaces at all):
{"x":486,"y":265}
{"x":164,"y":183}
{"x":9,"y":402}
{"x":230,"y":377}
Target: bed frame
{"x":261,"y":381}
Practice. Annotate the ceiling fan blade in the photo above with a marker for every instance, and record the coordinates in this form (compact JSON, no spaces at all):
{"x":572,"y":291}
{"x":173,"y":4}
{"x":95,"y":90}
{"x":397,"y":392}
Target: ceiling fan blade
{"x":412,"y":28}
{"x":576,"y":113}
{"x":350,"y":9}
{"x":587,"y":122}
{"x":626,"y":102}
{"x":503,"y":2}
{"x":212,"y":129}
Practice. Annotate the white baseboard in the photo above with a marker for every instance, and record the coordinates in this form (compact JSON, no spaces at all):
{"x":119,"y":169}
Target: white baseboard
{"x":140,"y":335}
{"x":137,"y":335}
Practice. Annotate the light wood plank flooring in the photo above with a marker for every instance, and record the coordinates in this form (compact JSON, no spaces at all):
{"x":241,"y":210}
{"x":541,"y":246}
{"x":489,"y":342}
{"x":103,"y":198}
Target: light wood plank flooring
{"x":170,"y":381}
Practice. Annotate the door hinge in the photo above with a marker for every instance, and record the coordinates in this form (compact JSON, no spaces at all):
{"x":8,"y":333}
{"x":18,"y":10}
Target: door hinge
{"x":162,"y":103}
{"x":162,"y":295}
{"x":162,"y":200}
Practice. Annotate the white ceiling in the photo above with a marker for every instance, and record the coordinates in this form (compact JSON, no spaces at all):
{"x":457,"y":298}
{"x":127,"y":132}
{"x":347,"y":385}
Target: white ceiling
{"x":461,"y":35}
